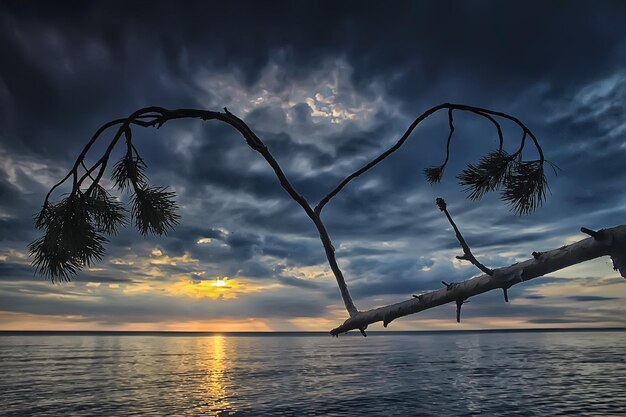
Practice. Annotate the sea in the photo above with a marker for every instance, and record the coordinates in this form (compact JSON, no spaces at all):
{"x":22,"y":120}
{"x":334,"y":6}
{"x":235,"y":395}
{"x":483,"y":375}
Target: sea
{"x":488,"y":373}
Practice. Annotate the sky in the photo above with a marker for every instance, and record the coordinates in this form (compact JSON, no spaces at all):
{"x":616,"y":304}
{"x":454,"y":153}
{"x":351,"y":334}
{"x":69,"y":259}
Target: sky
{"x":327,"y":86}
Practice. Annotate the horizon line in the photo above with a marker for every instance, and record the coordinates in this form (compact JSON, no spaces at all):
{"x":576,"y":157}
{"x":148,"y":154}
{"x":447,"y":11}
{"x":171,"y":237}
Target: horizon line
{"x":300,"y":332}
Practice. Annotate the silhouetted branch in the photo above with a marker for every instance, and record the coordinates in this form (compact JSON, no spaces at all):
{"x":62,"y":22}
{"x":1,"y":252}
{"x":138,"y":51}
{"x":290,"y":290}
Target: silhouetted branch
{"x":489,"y":114}
{"x":467,"y":253}
{"x":498,"y":128}
{"x":449,"y":140}
{"x":160,"y":220}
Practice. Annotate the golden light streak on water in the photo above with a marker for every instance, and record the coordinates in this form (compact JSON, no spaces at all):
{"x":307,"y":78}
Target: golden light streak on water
{"x":216,"y":383}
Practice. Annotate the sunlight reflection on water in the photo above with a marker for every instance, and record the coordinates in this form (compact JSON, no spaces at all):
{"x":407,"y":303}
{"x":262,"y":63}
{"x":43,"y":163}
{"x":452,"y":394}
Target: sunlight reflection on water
{"x":215,"y":381}
{"x":525,"y":374}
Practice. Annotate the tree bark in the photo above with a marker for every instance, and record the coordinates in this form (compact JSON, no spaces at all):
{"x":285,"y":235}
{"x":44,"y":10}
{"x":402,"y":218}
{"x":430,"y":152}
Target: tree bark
{"x":607,"y":242}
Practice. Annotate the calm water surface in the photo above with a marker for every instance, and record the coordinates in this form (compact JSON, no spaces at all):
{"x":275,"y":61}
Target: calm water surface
{"x":523,"y":374}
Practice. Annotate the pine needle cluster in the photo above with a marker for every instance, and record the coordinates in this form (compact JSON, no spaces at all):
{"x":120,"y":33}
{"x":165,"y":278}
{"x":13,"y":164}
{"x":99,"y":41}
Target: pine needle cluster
{"x":75,"y":229}
{"x":523,"y":183}
{"x":74,"y":232}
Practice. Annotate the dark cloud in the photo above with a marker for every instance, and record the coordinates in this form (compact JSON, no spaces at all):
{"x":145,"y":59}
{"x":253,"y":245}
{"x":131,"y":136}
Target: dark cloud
{"x":327,"y":86}
{"x":103,"y":279}
{"x":141,"y":308}
{"x":301,"y":283}
{"x":584,"y":298}
{"x":557,"y":320}
{"x":534,"y":297}
{"x":10,"y":271}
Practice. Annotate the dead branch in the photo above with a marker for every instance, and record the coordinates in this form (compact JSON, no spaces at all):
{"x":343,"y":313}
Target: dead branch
{"x":612,"y":243}
{"x":467,"y":253}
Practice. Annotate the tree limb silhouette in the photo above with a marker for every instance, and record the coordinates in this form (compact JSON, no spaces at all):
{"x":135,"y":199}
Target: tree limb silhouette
{"x":75,"y":228}
{"x":467,"y":253}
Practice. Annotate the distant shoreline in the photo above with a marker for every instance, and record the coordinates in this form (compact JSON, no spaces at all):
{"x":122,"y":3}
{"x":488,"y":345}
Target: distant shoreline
{"x":296,"y":333}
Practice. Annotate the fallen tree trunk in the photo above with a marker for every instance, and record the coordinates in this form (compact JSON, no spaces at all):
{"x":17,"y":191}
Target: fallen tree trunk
{"x":607,"y":242}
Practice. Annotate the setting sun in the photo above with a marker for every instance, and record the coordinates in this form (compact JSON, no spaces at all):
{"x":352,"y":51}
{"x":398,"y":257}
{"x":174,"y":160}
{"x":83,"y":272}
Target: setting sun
{"x":223,"y":288}
{"x":219,"y":282}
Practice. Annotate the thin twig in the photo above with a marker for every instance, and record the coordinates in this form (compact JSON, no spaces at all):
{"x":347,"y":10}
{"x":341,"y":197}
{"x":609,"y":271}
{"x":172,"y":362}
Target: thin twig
{"x":467,"y":253}
{"x":498,"y":129}
{"x":451,"y":132}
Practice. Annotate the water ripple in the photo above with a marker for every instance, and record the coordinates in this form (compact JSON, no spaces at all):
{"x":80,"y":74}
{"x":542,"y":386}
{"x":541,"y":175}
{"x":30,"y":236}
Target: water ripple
{"x":517,"y":374}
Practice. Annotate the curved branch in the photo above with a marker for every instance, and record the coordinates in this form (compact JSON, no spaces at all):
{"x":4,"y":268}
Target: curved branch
{"x":489,"y":114}
{"x":81,"y":157}
{"x":381,"y":157}
{"x":498,"y":128}
{"x":451,"y":127}
{"x":124,"y":126}
{"x":252,"y":140}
